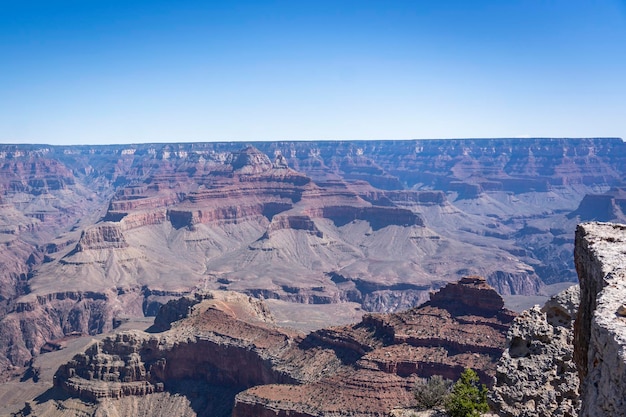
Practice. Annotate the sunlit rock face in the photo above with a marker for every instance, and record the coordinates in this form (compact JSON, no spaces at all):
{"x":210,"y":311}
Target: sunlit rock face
{"x":536,"y":375}
{"x":600,"y":330}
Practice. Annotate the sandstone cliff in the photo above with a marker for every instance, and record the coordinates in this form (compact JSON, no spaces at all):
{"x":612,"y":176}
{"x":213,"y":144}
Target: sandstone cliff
{"x":600,"y":330}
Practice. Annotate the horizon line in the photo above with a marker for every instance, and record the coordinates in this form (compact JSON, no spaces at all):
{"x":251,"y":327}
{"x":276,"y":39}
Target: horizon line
{"x":525,"y":137}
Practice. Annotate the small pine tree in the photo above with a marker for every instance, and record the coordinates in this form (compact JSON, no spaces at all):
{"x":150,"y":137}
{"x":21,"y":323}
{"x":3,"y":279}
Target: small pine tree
{"x":432,"y":392}
{"x":468,"y":397}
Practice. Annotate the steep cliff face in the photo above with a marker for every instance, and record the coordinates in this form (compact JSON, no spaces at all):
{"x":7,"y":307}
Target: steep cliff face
{"x":14,"y":256}
{"x":38,"y":320}
{"x":600,"y":330}
{"x":103,"y":236}
{"x":217,"y":338}
{"x":34,"y":175}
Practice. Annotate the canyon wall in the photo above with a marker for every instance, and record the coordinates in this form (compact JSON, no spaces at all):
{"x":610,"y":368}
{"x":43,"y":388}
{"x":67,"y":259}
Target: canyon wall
{"x":600,"y":329}
{"x":125,"y":228}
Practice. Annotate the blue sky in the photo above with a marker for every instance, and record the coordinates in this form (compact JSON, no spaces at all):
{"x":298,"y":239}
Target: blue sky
{"x":121,"y":71}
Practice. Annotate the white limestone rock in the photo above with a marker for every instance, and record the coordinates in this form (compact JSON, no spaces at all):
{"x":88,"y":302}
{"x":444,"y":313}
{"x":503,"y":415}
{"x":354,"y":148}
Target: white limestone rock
{"x":600,"y":331}
{"x":536,"y":375}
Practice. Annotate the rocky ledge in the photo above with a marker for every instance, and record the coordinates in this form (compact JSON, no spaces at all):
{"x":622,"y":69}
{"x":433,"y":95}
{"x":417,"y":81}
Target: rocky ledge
{"x":600,"y":330}
{"x":230,"y":340}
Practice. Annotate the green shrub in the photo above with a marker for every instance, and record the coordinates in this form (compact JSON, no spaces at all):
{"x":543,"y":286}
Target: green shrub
{"x":468,"y":397}
{"x":432,"y":392}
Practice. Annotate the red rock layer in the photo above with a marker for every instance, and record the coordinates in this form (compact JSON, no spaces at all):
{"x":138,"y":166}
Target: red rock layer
{"x":386,"y":353}
{"x":48,"y":195}
{"x":364,"y":369}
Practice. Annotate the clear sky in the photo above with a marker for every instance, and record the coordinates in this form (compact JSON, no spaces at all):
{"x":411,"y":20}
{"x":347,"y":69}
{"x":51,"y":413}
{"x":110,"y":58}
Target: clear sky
{"x":119,"y":71}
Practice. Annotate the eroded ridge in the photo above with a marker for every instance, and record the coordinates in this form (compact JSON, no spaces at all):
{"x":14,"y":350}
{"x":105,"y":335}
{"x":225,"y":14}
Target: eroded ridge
{"x":230,"y":340}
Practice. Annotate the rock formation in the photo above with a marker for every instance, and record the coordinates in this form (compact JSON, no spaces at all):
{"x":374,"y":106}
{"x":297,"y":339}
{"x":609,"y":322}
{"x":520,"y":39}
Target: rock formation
{"x":230,"y":340}
{"x":607,"y":207}
{"x":226,"y":338}
{"x":250,"y":161}
{"x":567,"y":359}
{"x":600,"y":329}
{"x":536,"y":375}
{"x":124,"y":229}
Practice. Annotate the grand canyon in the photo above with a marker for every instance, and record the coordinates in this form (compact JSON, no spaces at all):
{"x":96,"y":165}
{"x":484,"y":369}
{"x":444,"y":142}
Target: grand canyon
{"x":298,"y":278}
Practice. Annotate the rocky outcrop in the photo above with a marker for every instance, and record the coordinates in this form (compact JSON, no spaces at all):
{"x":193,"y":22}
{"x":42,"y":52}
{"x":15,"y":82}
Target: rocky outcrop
{"x":247,"y":308}
{"x":468,"y":296}
{"x":536,"y":375}
{"x":250,"y":161}
{"x":386,"y":353}
{"x":600,"y":330}
{"x":230,"y":340}
{"x":366,"y":393}
{"x":38,"y":320}
{"x":224,"y":338}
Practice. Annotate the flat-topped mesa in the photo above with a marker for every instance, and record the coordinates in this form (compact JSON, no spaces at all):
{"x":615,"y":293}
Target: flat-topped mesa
{"x":401,"y":197}
{"x":103,"y":236}
{"x":250,"y":161}
{"x":294,"y":222}
{"x":378,"y":217}
{"x":607,"y":207}
{"x":471,"y":293}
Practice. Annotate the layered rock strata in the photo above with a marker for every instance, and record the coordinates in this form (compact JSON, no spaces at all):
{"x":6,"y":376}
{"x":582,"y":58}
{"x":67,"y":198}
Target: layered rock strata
{"x":607,"y":207}
{"x":386,"y":353}
{"x":600,"y":330}
{"x":230,"y":340}
{"x":380,"y":223}
{"x":225,"y":338}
